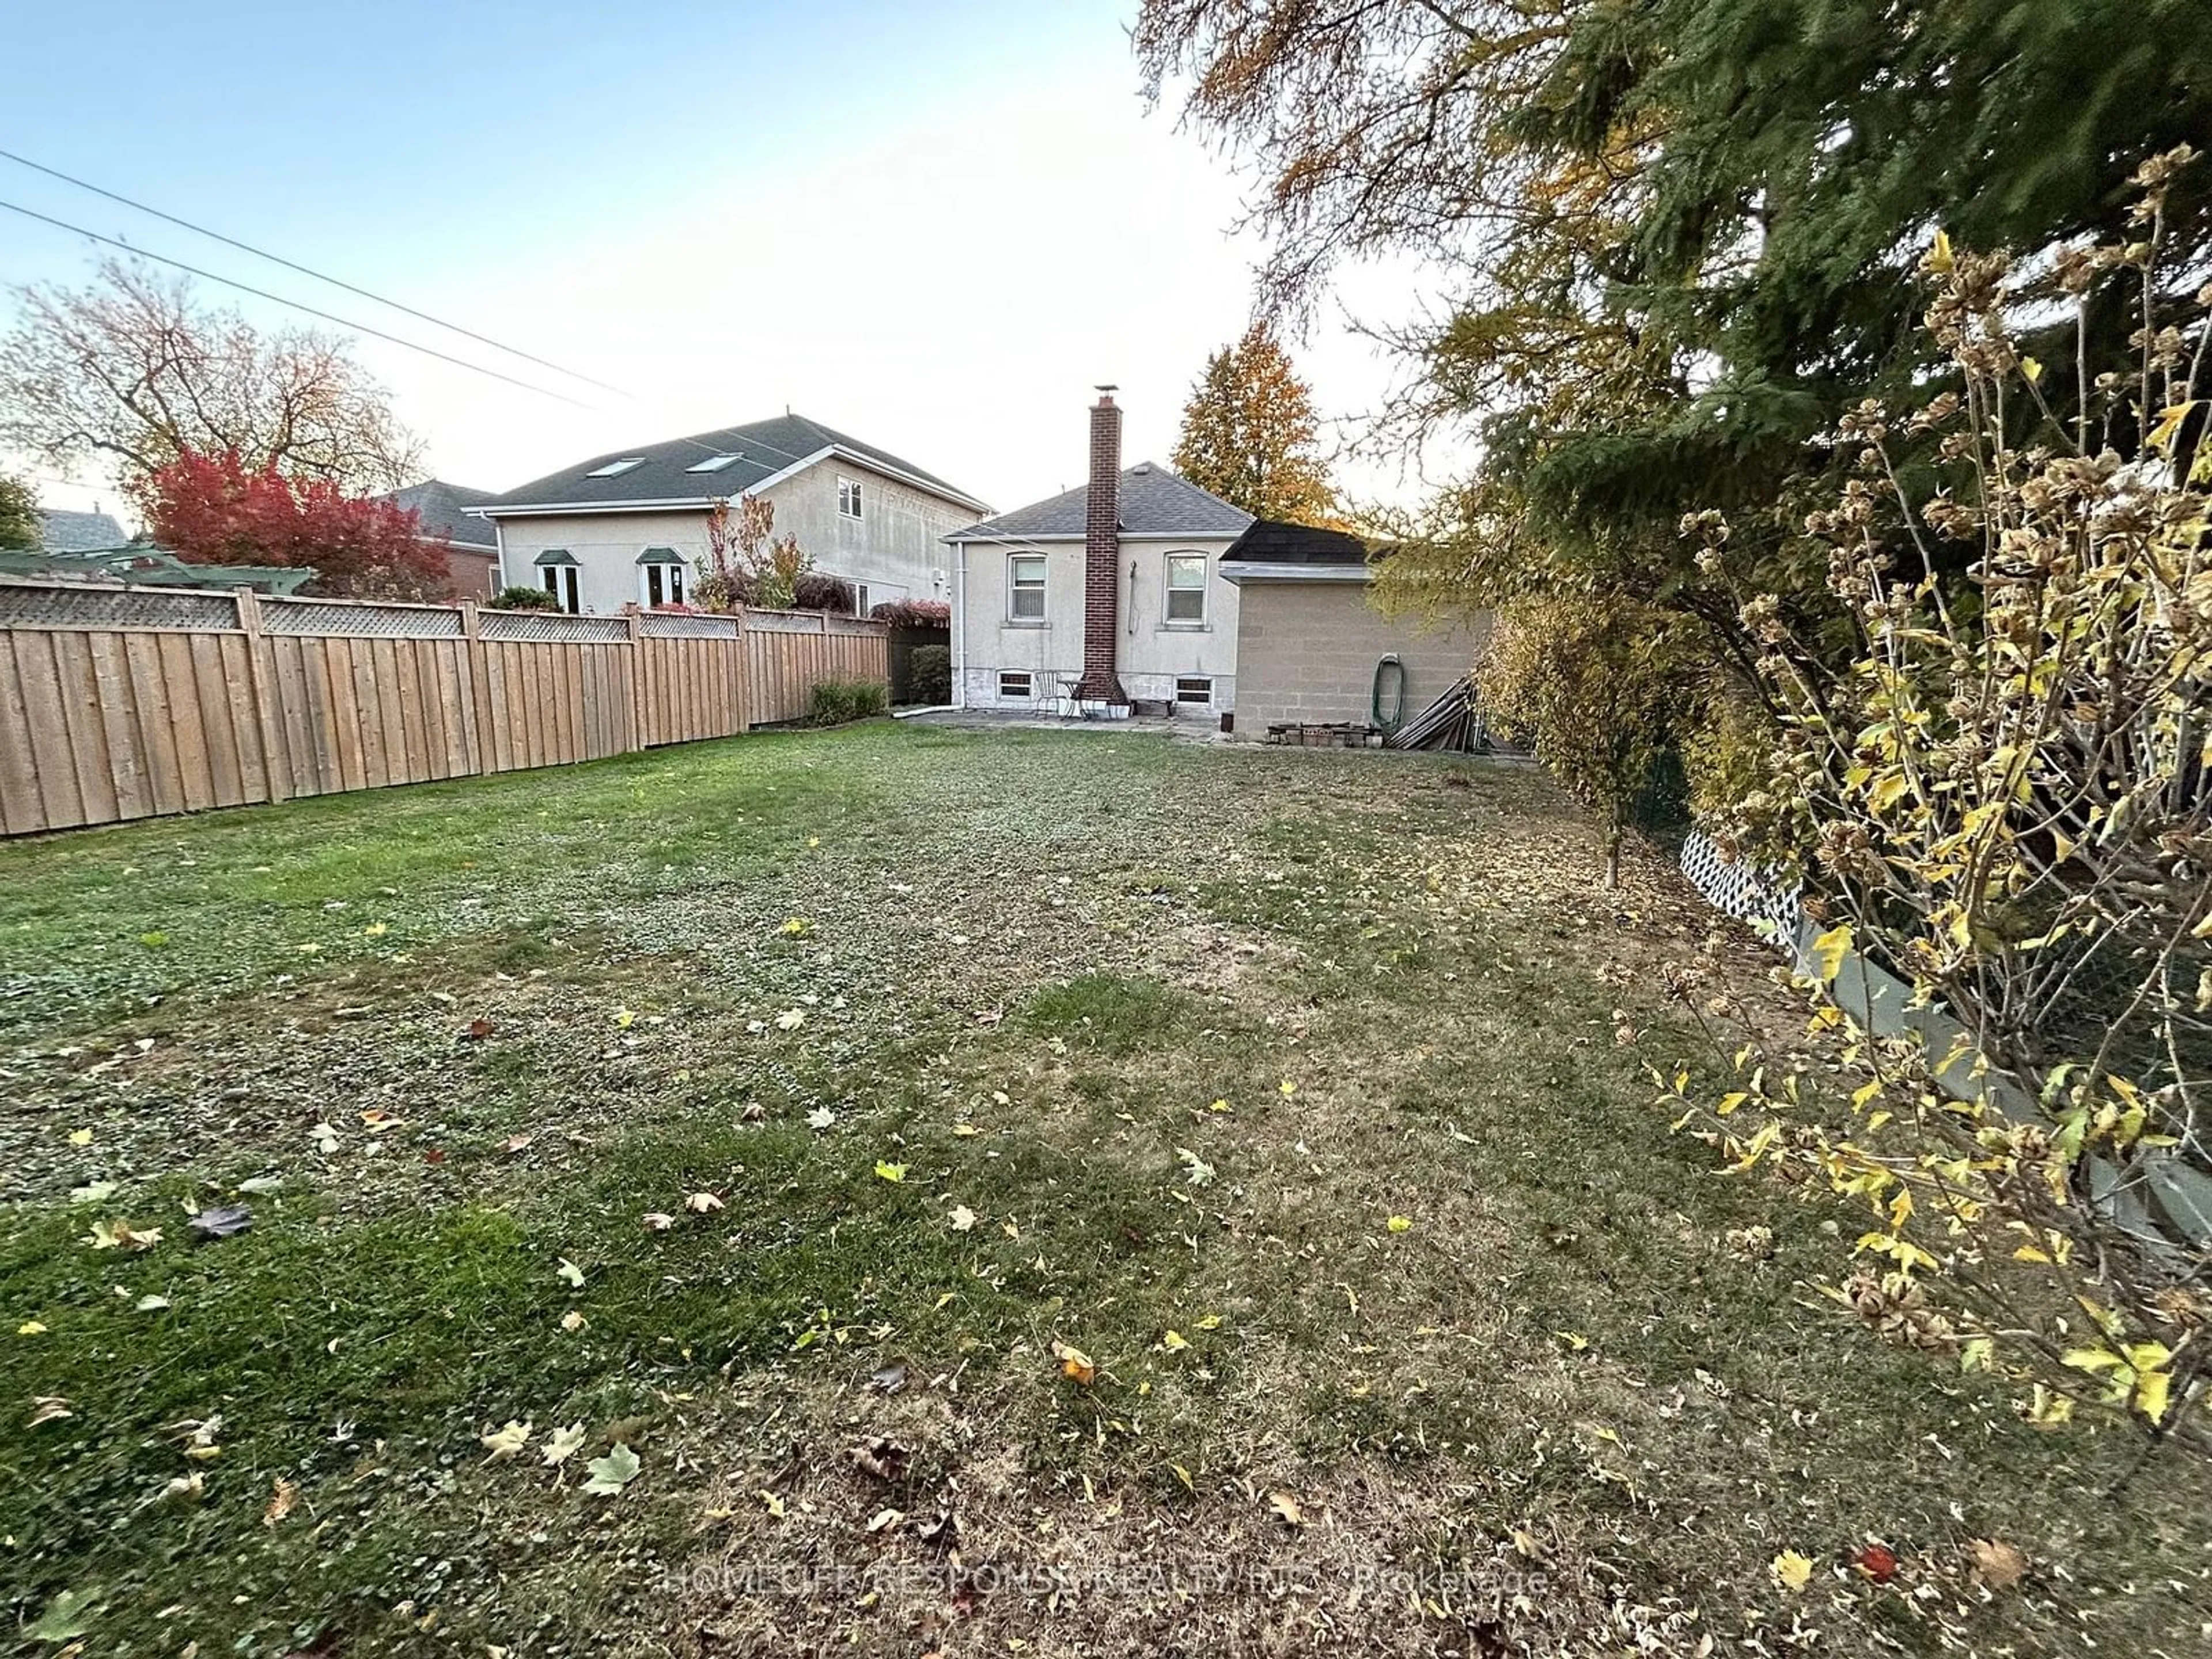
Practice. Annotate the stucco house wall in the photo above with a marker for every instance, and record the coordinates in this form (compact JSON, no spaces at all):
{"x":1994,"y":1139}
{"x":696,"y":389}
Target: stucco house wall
{"x":1152,"y":653}
{"x":1306,"y":651}
{"x":858,"y":513}
{"x":604,"y":546}
{"x":895,"y":549}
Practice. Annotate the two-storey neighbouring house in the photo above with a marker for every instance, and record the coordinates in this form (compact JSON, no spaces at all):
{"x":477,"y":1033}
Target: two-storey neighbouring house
{"x":1099,"y":597}
{"x":630,"y":526}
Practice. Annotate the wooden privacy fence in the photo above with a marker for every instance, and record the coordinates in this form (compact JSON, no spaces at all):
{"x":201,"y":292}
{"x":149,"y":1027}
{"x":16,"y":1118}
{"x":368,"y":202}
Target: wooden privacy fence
{"x":123,"y":702}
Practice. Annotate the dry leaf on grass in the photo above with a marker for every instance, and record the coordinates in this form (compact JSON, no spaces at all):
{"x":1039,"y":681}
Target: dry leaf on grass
{"x":1287,"y":1506}
{"x":562,"y":1444}
{"x":610,"y":1473}
{"x":1998,"y":1564}
{"x":1791,"y":1571}
{"x":884,"y":1459}
{"x":1074,"y":1364}
{"x":283,"y":1498}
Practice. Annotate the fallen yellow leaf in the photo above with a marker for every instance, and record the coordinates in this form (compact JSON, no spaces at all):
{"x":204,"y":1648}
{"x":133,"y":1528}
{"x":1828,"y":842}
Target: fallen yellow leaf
{"x":1074,"y":1364}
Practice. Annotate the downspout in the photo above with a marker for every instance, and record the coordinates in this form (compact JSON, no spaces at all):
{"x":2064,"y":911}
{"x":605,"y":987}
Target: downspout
{"x":960,"y":625}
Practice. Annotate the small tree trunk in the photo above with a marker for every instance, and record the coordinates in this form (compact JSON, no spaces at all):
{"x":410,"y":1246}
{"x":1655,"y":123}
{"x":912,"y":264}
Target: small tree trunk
{"x":1611,"y":857}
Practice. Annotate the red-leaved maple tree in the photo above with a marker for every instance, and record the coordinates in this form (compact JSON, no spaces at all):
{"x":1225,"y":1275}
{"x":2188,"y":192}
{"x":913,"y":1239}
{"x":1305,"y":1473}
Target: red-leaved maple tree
{"x":213,"y":509}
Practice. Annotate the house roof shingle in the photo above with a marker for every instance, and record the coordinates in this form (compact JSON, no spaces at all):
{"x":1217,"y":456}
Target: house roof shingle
{"x":1155,"y":502}
{"x":1271,"y":541}
{"x":78,"y":533}
{"x":763,"y":448}
{"x":442,"y":507}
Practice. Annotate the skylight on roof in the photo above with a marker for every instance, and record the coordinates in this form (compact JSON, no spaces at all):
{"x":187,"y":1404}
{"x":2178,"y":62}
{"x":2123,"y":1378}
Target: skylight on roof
{"x":714,"y":463}
{"x":616,"y":469}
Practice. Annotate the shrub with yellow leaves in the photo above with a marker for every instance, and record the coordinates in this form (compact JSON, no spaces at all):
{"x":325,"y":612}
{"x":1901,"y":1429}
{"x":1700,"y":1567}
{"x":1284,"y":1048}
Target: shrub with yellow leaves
{"x":2006,"y":803}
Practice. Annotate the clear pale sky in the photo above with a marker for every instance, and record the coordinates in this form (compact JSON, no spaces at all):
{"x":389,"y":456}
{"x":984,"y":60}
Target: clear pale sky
{"x":933,"y":226}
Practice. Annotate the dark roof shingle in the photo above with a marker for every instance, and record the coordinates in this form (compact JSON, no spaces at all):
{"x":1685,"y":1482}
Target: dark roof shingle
{"x":1155,"y":502}
{"x":443,"y":508}
{"x":78,"y":533}
{"x":763,"y":448}
{"x":1272,"y":541}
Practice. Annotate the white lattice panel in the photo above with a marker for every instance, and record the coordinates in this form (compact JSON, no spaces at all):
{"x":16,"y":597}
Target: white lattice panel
{"x":1742,"y":889}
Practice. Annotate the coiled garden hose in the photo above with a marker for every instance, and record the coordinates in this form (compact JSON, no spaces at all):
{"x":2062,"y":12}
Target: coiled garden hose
{"x":1396,"y":670}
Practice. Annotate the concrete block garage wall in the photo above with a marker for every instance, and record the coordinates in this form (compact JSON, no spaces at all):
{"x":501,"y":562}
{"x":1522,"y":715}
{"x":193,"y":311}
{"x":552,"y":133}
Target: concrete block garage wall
{"x":1306,"y":653}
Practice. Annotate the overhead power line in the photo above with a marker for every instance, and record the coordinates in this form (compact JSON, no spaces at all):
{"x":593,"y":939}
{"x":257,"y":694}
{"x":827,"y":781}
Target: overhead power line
{"x":304,"y":270}
{"x":279,"y":298}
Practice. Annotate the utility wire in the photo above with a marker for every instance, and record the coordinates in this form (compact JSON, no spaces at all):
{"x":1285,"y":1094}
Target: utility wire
{"x":279,"y":298}
{"x":320,"y":276}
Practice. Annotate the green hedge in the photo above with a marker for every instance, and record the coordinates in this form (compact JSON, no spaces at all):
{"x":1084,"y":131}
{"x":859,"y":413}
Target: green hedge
{"x":836,"y":701}
{"x":933,"y":674}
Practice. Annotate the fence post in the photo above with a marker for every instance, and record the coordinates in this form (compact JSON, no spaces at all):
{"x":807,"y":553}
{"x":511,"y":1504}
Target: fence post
{"x":743,"y":618}
{"x":477,"y":727}
{"x":275,"y":758}
{"x":634,"y":620}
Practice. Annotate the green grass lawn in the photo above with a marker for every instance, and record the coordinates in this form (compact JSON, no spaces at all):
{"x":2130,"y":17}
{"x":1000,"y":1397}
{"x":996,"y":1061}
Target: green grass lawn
{"x":784,"y":1112}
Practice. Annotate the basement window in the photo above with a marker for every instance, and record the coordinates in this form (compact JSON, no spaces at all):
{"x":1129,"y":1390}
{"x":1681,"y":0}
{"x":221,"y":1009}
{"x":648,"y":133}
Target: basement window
{"x":1025,"y":587}
{"x":1016,"y":687}
{"x":616,"y":469}
{"x":1186,"y":587}
{"x":1196,"y":689}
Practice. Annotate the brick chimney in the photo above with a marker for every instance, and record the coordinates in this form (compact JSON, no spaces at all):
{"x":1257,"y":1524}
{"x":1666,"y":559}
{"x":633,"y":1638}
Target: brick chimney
{"x":1102,"y":555}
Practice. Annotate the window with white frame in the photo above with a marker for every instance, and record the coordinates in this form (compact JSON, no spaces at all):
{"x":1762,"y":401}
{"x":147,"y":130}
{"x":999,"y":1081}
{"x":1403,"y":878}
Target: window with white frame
{"x":1186,"y":587}
{"x":860,"y":598}
{"x":561,"y":583}
{"x":662,"y":577}
{"x":848,"y":498}
{"x":1026,"y":586}
{"x":1016,"y":687}
{"x":1195,"y":689}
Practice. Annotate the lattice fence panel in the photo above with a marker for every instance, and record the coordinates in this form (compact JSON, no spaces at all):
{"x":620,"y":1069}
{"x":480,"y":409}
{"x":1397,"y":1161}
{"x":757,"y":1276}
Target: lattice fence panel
{"x":782,"y":622}
{"x":539,"y":627}
{"x":359,"y":621}
{"x":674,"y":625}
{"x":23,"y":606}
{"x":1742,"y":890}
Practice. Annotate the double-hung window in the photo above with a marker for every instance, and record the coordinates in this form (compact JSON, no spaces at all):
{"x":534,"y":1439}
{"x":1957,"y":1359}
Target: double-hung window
{"x":848,"y":498}
{"x":1025,"y":587}
{"x":1186,"y":587}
